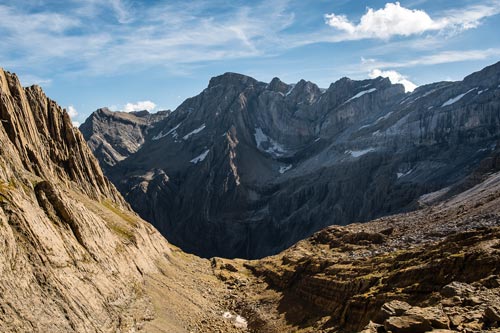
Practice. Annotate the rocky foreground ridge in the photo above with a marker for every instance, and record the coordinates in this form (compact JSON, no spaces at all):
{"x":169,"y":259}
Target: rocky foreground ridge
{"x":433,"y":270}
{"x":268,"y":164}
{"x":73,"y":256}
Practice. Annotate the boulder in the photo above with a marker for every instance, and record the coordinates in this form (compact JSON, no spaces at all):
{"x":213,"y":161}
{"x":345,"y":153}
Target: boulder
{"x":456,"y":289}
{"x":434,"y":315}
{"x":391,"y":309}
{"x":408,"y":324}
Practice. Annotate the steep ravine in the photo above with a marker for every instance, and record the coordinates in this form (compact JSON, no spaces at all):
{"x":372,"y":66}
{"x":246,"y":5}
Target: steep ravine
{"x":74,"y":257}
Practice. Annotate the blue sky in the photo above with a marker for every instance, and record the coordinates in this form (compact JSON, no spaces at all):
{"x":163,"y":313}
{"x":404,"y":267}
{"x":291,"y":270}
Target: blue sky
{"x":130,"y":55}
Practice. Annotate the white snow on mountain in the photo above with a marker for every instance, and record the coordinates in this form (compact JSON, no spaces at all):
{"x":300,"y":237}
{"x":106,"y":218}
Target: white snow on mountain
{"x":361,"y":93}
{"x":172,"y":131}
{"x":198,"y":130}
{"x":456,"y":98}
{"x":273,"y":147}
{"x":200,"y":157}
{"x":284,"y":169}
{"x":358,"y":153}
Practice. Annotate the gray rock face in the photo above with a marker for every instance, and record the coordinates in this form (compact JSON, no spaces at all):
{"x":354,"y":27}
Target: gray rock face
{"x":245,"y":169}
{"x":113,"y":136}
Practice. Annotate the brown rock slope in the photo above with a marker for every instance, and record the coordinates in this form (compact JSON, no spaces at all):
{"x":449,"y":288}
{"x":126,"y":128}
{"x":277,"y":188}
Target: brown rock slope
{"x":73,"y":256}
{"x":433,"y":269}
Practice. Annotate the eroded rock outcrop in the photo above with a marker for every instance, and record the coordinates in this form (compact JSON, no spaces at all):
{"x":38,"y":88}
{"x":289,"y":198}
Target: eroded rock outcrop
{"x":436,"y":269}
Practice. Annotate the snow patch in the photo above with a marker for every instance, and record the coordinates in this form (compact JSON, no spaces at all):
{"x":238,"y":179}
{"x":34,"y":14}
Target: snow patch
{"x":358,"y":153}
{"x":284,"y":169}
{"x":290,"y":90}
{"x":404,"y":174}
{"x":159,"y":136}
{"x":482,"y":91}
{"x":365,"y":126}
{"x":198,"y":130}
{"x":260,"y":136}
{"x":172,"y":131}
{"x":201,"y":157}
{"x":361,"y":93}
{"x":273,"y":146}
{"x":456,"y":98}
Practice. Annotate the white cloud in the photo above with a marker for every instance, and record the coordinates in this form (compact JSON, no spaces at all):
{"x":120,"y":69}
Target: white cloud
{"x":72,"y":111}
{"x":139,"y":106}
{"x":433,"y":59}
{"x":147,"y":36}
{"x":76,"y":123}
{"x":395,"y":20}
{"x":384,"y":23}
{"x":50,"y":43}
{"x":395,"y":77}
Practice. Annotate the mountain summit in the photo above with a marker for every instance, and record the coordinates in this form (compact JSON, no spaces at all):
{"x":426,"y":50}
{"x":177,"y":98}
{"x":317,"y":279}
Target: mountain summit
{"x":250,"y":168}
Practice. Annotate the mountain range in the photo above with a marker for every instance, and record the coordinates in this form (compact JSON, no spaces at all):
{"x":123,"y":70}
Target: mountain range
{"x":246,"y":168}
{"x":76,"y":258}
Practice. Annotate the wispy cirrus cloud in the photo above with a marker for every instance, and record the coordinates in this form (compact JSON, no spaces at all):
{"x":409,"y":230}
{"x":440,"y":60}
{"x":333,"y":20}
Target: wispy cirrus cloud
{"x":108,"y":37}
{"x":437,"y":58}
{"x":139,"y":36}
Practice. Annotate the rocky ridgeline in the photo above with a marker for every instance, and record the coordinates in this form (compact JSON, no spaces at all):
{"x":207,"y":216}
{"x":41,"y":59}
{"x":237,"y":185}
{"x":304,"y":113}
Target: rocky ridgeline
{"x":114,"y":136}
{"x":253,"y":167}
{"x":74,"y":257}
{"x":437,"y":269}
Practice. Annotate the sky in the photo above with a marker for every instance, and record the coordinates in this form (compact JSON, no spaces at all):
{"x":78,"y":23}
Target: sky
{"x":134,"y":55}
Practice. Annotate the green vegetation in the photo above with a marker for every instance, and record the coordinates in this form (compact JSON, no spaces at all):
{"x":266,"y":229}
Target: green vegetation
{"x":123,"y":232}
{"x":126,"y":217}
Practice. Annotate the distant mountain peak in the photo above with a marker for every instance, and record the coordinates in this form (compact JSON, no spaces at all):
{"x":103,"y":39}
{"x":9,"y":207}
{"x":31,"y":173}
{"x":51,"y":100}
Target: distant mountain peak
{"x":279,"y":161}
{"x":230,"y":78}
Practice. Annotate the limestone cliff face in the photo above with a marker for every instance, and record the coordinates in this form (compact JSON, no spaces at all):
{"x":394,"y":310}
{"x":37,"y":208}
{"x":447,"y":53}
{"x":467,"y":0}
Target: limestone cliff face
{"x":45,"y":141}
{"x":251,"y":167}
{"x":113,"y":136}
{"x":74,"y":257}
